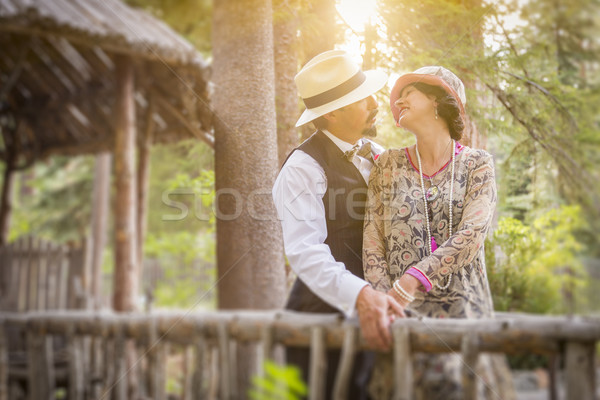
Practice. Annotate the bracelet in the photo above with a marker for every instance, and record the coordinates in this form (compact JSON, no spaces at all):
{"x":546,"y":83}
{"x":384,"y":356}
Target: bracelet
{"x":417,"y":273}
{"x":403,"y":293}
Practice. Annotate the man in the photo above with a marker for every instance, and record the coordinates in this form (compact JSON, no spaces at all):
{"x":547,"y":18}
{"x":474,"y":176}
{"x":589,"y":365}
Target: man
{"x":320,"y":197}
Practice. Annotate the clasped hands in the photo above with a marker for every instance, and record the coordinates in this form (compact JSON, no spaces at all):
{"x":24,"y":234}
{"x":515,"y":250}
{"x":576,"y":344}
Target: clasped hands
{"x":377,"y":311}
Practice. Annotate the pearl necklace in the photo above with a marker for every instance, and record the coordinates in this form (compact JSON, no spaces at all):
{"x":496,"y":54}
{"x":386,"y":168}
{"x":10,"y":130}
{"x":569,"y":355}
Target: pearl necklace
{"x":429,"y":237}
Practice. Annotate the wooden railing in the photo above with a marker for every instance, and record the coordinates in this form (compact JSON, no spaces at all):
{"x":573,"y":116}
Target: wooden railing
{"x":97,"y":349}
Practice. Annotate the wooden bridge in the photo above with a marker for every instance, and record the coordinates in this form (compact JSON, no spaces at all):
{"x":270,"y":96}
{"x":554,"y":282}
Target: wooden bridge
{"x":97,"y":347}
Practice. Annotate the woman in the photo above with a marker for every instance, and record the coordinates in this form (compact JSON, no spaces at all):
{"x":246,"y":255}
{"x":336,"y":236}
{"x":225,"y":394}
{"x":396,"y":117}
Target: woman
{"x":429,"y":209}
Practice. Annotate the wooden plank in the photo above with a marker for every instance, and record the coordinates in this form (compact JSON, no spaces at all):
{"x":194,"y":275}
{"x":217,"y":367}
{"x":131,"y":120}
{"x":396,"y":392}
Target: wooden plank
{"x":53,"y":268}
{"x":344,"y":372}
{"x":201,"y":369}
{"x":403,"y":364}
{"x":188,"y":373}
{"x":76,"y":367}
{"x":33,"y":262}
{"x":42,"y":301}
{"x":120,"y":389}
{"x":63,"y":277}
{"x":23,"y":269}
{"x":318,"y":364}
{"x":48,"y":371}
{"x":580,"y":370}
{"x":96,"y":368}
{"x":11,"y":267}
{"x":470,"y":355}
{"x":224,"y":367}
{"x":109,"y":366}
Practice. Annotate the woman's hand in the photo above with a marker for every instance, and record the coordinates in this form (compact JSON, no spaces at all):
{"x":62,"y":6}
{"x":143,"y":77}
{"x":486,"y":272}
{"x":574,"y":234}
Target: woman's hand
{"x":410,"y":284}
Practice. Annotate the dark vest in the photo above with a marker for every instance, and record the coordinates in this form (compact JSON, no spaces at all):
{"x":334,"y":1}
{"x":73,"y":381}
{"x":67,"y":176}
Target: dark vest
{"x":344,"y":203}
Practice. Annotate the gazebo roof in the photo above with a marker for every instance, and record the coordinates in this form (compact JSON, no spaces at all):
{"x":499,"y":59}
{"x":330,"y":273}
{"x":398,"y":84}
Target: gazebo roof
{"x":57,"y":71}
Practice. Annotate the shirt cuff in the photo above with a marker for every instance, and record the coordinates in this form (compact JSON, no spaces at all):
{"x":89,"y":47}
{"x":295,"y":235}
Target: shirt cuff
{"x":350,"y":287}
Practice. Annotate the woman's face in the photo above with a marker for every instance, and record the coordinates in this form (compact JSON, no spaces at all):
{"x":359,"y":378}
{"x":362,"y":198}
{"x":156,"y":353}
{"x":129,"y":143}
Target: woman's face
{"x":415,"y":107}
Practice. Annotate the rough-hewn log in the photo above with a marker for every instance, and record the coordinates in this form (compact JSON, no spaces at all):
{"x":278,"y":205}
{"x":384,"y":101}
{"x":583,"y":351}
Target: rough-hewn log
{"x":100,"y":207}
{"x":318,"y":364}
{"x":200,"y":368}
{"x":533,"y":334}
{"x":224,"y":365}
{"x":581,"y":370}
{"x":342,"y":378}
{"x":403,"y":373}
{"x":125,"y":275}
{"x":470,"y":354}
{"x":143,"y":180}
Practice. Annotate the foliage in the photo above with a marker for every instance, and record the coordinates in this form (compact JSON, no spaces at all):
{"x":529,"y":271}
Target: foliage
{"x":187,"y":267}
{"x":53,"y":200}
{"x":278,"y":383}
{"x":535,"y":268}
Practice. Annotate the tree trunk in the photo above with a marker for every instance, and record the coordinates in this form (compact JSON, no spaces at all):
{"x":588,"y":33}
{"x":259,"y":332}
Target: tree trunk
{"x":100,"y":207}
{"x":125,"y":275}
{"x":249,"y":244}
{"x":286,"y":65}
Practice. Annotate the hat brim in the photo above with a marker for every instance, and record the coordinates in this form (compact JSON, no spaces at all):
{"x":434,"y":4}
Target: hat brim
{"x":433,"y":80}
{"x":374,"y":81}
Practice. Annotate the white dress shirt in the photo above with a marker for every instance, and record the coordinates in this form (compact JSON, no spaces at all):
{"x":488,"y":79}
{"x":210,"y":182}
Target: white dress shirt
{"x":298,"y":194}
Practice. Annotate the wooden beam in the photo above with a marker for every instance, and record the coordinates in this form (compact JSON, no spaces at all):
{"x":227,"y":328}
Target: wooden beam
{"x":100,"y":210}
{"x":145,"y":146}
{"x":195,"y":131}
{"x":125,"y":275}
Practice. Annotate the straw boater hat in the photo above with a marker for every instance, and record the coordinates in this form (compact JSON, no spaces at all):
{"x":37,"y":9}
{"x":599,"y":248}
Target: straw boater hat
{"x":332,"y":80}
{"x":435,"y":76}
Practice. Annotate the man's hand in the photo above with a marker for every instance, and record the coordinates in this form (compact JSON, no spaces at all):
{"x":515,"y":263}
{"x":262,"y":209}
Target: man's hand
{"x":375,"y":310}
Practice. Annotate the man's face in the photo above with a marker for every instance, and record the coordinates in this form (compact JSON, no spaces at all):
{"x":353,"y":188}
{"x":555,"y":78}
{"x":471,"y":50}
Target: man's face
{"x":359,"y":117}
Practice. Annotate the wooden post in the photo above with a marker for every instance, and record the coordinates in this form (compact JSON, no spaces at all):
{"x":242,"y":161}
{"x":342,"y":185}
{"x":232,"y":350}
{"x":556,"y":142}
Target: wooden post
{"x":342,"y":378}
{"x":225,"y":368}
{"x":76,"y":372}
{"x":318,"y":364}
{"x":125,"y":276}
{"x":100,"y":205}
{"x":403,"y":373}
{"x":470,"y":354}
{"x":200,"y":357}
{"x":145,"y":146}
{"x":6,"y":197}
{"x":580,"y":370}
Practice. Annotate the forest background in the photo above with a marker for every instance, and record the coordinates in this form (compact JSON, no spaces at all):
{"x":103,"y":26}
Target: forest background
{"x":531,"y":69}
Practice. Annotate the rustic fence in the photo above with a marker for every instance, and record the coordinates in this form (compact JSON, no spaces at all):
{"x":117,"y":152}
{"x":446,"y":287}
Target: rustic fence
{"x":98,"y":347}
{"x":39,"y":275}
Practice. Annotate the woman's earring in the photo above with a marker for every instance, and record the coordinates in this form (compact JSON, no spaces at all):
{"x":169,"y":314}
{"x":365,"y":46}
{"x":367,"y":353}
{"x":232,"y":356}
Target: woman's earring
{"x":436,"y":113}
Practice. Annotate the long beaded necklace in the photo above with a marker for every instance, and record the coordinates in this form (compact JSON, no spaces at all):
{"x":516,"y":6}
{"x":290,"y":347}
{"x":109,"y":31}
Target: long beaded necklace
{"x":430,"y":239}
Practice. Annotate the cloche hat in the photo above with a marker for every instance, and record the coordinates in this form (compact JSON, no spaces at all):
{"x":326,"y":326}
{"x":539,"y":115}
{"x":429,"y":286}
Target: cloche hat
{"x":431,"y":75}
{"x":332,"y":80}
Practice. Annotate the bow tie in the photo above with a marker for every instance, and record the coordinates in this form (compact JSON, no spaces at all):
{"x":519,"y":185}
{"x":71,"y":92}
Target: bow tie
{"x":363,"y":151}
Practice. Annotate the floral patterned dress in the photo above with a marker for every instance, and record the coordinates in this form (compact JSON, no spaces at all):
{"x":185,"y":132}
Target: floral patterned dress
{"x":395,"y":239}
